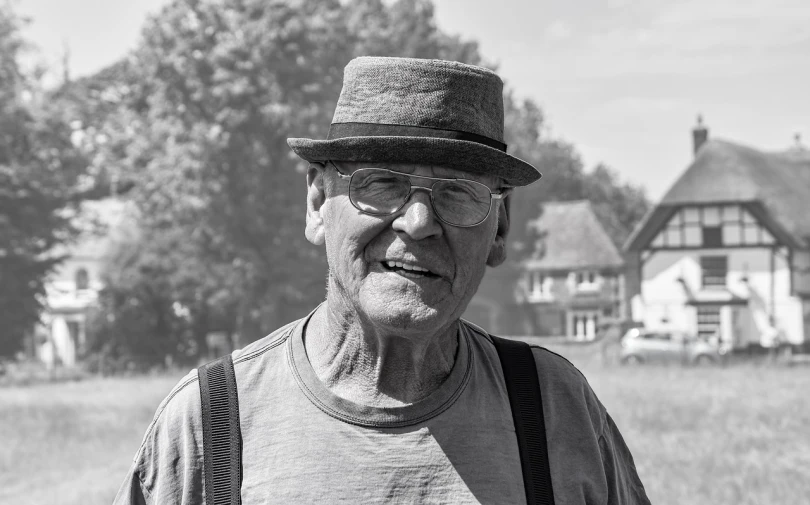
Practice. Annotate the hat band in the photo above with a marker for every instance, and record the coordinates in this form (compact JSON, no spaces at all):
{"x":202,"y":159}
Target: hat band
{"x":343,"y":130}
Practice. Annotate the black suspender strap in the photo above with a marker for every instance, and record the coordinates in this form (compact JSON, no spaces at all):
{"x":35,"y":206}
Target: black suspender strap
{"x":520,"y":372}
{"x":222,"y":438}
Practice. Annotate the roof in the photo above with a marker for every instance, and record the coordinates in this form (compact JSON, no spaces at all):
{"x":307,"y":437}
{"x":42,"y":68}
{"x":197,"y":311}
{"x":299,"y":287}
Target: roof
{"x":574,"y":238}
{"x":727,"y":172}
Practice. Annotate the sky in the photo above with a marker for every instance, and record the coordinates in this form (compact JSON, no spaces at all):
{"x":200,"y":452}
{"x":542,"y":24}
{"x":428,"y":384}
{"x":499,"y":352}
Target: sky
{"x":623,"y":80}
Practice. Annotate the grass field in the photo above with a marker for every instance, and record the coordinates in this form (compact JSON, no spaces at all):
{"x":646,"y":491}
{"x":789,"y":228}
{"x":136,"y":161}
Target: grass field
{"x":734,"y":435}
{"x":71,"y":443}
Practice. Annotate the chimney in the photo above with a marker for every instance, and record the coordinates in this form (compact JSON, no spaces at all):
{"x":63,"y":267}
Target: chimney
{"x":797,"y":143}
{"x":700,"y":134}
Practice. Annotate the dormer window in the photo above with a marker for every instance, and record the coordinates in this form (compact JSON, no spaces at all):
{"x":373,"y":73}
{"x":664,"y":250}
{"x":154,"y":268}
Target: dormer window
{"x":538,"y":287}
{"x":586,"y":281}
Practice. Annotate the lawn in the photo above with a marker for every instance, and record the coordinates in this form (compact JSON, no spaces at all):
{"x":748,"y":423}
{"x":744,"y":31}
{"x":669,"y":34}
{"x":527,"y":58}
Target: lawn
{"x":71,"y":443}
{"x":734,"y":435}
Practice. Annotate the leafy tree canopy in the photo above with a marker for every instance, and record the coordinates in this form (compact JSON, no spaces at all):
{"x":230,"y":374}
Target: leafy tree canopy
{"x":40,"y":180}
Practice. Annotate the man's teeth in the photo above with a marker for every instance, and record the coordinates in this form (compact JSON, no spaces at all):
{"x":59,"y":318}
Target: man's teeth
{"x":397,"y":264}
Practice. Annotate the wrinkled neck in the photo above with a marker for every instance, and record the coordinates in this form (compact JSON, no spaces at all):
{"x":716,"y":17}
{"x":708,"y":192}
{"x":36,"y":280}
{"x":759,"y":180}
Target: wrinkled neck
{"x":369,"y":366}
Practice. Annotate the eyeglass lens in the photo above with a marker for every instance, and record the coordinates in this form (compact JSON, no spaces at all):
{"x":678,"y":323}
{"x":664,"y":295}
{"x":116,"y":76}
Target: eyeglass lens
{"x":458,"y":202}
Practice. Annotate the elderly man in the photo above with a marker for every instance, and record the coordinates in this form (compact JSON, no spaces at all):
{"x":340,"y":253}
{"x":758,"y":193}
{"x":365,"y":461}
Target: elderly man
{"x":383,"y":393}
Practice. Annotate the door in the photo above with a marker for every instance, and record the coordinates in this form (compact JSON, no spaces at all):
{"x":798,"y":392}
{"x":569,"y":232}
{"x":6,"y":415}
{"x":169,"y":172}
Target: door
{"x":582,"y":324}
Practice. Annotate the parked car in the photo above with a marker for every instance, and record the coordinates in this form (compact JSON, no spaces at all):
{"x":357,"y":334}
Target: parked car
{"x":639,"y":345}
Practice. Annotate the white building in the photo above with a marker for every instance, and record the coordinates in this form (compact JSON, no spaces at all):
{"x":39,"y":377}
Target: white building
{"x":74,"y":285}
{"x":726,"y":252}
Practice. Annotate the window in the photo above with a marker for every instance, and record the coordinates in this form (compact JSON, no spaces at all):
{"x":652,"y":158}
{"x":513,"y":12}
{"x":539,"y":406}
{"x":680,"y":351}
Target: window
{"x":708,"y":320}
{"x":712,"y":236}
{"x":538,"y":287}
{"x":583,"y":324}
{"x":714,"y":270}
{"x":82,"y":279}
{"x":657,"y":335}
{"x":586,"y":281}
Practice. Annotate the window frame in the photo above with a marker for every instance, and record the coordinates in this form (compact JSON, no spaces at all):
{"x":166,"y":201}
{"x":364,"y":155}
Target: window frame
{"x":708,"y":271}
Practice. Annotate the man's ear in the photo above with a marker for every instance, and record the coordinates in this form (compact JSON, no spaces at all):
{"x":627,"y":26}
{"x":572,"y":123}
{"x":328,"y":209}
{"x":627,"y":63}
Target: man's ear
{"x":316,"y":196}
{"x":497,"y":253}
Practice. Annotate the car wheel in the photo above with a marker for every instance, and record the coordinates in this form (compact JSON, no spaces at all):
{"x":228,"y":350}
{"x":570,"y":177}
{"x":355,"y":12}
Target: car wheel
{"x":633,"y":359}
{"x":704,"y":360}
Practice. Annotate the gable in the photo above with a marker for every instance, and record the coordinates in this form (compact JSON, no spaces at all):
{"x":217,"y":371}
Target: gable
{"x":708,"y":226}
{"x":775,"y":188}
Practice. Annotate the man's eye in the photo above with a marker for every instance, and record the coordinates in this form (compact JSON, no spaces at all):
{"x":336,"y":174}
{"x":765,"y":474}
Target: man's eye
{"x":378,"y":181}
{"x":459,"y":190}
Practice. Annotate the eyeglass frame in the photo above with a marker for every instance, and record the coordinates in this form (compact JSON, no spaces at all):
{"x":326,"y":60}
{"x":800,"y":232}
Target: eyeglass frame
{"x":494,"y":195}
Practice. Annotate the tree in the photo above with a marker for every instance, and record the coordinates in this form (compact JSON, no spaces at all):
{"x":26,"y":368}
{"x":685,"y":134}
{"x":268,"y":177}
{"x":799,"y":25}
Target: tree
{"x":40,"y":173}
{"x":618,"y":205}
{"x":205,"y":106}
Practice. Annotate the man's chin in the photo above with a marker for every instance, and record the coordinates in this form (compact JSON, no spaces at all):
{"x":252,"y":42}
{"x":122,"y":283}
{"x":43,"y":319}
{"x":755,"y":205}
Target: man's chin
{"x":403,"y":313}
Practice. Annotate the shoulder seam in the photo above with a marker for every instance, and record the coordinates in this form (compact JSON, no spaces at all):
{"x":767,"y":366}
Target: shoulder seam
{"x":284,"y":334}
{"x":477,"y":329}
{"x":258,"y":352}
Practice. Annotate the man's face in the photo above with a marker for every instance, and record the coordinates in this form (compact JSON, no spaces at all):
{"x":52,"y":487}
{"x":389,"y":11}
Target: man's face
{"x":407,"y":272}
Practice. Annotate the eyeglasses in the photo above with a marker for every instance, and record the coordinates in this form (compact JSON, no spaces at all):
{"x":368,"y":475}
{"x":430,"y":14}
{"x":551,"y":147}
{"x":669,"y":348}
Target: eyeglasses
{"x":457,"y":202}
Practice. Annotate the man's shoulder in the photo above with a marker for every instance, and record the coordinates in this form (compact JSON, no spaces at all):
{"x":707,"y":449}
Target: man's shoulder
{"x":563,"y":386}
{"x":548,"y":362}
{"x":180,"y":409}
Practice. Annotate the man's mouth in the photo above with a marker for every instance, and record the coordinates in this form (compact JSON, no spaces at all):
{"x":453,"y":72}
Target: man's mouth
{"x":407,"y":269}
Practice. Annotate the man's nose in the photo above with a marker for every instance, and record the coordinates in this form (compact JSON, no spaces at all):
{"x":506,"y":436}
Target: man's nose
{"x":417,"y":218}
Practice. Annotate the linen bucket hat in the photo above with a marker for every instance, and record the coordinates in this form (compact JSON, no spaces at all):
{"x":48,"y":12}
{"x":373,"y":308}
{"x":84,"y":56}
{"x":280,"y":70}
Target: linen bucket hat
{"x":412,"y":110}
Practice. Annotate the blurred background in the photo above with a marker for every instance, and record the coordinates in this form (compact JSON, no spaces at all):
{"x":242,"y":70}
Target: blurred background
{"x":152,"y":216}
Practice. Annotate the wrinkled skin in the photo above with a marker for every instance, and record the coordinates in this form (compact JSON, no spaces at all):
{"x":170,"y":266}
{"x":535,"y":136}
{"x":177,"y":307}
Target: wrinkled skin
{"x":376,"y":316}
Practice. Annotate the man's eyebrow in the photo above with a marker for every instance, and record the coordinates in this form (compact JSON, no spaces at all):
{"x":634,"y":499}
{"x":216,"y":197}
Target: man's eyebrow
{"x":363,"y":164}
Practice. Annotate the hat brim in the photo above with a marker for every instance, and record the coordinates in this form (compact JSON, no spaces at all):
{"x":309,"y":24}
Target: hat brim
{"x":458,"y":154}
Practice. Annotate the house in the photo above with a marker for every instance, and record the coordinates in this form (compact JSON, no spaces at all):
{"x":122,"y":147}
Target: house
{"x":726,"y":253}
{"x":572,"y":285}
{"x":73,"y":287}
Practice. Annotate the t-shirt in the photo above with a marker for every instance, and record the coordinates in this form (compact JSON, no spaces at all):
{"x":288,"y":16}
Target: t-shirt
{"x":304,"y":444}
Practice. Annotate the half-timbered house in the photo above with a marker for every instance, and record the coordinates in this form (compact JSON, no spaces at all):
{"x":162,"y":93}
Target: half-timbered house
{"x":726,"y":253}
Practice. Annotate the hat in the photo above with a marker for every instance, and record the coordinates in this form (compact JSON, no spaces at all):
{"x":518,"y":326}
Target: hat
{"x":412,"y":110}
